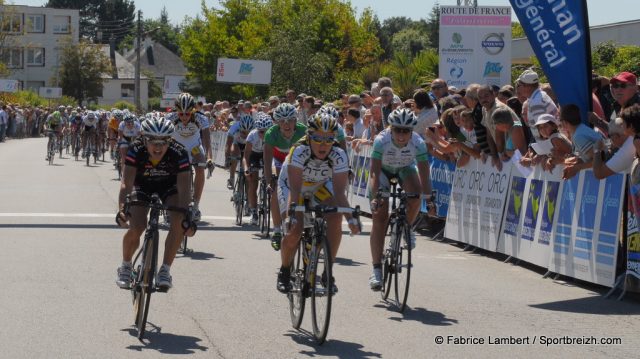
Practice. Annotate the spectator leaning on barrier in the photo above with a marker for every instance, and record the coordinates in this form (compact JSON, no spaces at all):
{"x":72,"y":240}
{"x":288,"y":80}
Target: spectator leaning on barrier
{"x":473,"y":103}
{"x":425,"y":111}
{"x":386,"y":95}
{"x":439,"y":89}
{"x":622,"y":132}
{"x":582,"y":137}
{"x":513,"y":132}
{"x":547,"y":126}
{"x":538,"y":102}
{"x":496,"y":139}
{"x":624,"y":90}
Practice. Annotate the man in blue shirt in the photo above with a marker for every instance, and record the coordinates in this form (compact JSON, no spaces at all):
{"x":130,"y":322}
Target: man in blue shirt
{"x":583,"y":139}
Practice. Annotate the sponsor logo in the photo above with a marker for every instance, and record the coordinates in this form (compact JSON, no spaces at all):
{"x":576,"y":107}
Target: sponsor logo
{"x":456,"y":38}
{"x":492,"y":69}
{"x":456,"y":46}
{"x":456,"y":72}
{"x":493,"y":43}
{"x":245,"y":69}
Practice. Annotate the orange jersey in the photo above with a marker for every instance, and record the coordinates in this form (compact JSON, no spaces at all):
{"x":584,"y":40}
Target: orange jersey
{"x":114,"y":124}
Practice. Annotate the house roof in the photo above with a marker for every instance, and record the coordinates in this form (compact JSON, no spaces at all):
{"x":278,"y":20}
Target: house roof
{"x":124,"y":69}
{"x":157,"y":59}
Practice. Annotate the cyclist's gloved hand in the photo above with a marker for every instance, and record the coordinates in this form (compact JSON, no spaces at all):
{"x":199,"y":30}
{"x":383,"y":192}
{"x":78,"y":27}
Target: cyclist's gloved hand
{"x":354,"y":226}
{"x":121,"y":219}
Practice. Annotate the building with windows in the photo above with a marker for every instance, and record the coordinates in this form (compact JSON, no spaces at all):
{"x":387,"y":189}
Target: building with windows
{"x":32,"y":39}
{"x":120,"y":84}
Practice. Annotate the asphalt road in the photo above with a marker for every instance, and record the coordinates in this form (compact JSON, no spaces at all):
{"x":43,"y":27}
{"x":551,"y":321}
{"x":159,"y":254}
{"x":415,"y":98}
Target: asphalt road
{"x":60,"y":250}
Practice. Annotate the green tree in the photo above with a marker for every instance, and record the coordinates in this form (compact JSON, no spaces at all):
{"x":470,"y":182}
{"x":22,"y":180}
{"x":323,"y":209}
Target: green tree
{"x":82,"y":69}
{"x":410,"y":41}
{"x":433,"y":26}
{"x":517,"y":31}
{"x":408,"y":72}
{"x":160,"y":30}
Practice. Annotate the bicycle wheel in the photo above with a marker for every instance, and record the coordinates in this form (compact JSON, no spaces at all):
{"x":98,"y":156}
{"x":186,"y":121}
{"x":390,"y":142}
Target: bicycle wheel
{"x":402,"y":270}
{"x":388,"y":261}
{"x":267,"y":213}
{"x":144,"y":288}
{"x":239,"y":199}
{"x":297,"y":296}
{"x":50,"y":150}
{"x":88,"y":152}
{"x":320,"y":275}
{"x":261,"y":206}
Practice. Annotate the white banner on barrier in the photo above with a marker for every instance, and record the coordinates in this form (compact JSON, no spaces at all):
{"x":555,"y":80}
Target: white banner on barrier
{"x":218,"y":142}
{"x":360,"y":165}
{"x":587,"y":227}
{"x":529,"y":215}
{"x":476,"y":204}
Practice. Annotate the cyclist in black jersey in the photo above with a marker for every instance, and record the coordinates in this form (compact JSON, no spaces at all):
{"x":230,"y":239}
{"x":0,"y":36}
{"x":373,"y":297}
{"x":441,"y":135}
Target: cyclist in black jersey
{"x":154,"y":163}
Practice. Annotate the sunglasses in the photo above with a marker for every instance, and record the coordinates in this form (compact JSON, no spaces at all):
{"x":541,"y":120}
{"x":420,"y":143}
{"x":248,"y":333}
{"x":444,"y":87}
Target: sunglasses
{"x":436,"y":87}
{"x":322,"y":139}
{"x":287,"y":120}
{"x":157,"y":141}
{"x":619,"y":85}
{"x":184,"y":113}
{"x":402,"y":130}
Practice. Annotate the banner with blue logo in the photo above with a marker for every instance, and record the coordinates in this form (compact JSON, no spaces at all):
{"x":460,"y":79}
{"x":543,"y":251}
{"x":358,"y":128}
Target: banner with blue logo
{"x":558,"y":32}
{"x":441,"y":182}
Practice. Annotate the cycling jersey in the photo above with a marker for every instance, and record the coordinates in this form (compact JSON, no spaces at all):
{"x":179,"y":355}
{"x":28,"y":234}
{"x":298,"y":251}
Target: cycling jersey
{"x":257,"y":143}
{"x":53,"y":122}
{"x":281,"y":145}
{"x":129,"y":133}
{"x":234,"y":131}
{"x":188,"y":135}
{"x":90,"y":122}
{"x":113,"y":124}
{"x":164,"y":174}
{"x":395,"y":158}
{"x":315,"y":170}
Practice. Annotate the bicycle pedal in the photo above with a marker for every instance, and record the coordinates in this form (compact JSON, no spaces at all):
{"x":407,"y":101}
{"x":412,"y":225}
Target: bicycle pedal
{"x":162,"y":289}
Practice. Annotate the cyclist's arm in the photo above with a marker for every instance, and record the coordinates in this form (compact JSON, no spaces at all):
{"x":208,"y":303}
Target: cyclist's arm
{"x":425,"y":177}
{"x":267,"y":159}
{"x":128,"y":177}
{"x":205,"y":134}
{"x":374,"y":174}
{"x":340,"y":182}
{"x":247,"y":152}
{"x":227,"y":147}
{"x":295,"y":183}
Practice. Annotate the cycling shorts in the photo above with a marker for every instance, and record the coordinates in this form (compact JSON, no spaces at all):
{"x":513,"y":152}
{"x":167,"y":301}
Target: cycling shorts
{"x":319,"y":192}
{"x":143,"y":192}
{"x":255,"y":160}
{"x":401,"y":175}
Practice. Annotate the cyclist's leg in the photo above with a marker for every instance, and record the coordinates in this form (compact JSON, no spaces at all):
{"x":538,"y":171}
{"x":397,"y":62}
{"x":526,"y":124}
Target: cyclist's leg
{"x":131,"y":239}
{"x":198,"y":181}
{"x":275,"y":210}
{"x":233,"y":163}
{"x":289,"y":243}
{"x":411,"y":184}
{"x":379,"y":226}
{"x":174,"y":237}
{"x":123,"y":147}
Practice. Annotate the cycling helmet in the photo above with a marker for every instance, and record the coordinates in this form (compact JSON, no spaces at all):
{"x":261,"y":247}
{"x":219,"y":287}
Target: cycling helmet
{"x":330,"y":110}
{"x":129,"y":118}
{"x":246,"y":122}
{"x":263,"y":121}
{"x":157,"y":127}
{"x":91,"y":115}
{"x":284,"y":111}
{"x":185,"y":102}
{"x":56,"y":115}
{"x":322,"y":122}
{"x":61,"y":108}
{"x":403,"y":118}
{"x":74,"y":113}
{"x":118,"y":115}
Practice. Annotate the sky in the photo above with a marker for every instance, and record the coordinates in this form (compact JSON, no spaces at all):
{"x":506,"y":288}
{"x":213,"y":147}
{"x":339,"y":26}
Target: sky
{"x":600,"y":11}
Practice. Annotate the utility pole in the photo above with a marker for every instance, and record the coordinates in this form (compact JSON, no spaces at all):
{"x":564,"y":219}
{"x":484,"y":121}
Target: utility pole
{"x":137,"y":71}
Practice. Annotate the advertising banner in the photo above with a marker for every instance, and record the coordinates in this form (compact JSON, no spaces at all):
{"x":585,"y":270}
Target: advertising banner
{"x":244,"y":71}
{"x":173,"y":84}
{"x":9,"y":85}
{"x":588,"y":226}
{"x":558,"y":32}
{"x":632,"y":280}
{"x":529,"y":215}
{"x":476,"y":204}
{"x":475,"y":45}
{"x":441,"y":182}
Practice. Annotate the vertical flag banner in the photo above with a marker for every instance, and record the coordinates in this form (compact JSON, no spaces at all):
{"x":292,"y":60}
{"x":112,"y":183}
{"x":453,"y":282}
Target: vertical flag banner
{"x":558,"y":32}
{"x":441,"y":181}
{"x":475,"y":45}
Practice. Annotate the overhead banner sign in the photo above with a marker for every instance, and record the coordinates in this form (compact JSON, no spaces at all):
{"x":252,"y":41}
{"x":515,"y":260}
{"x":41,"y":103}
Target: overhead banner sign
{"x":173,"y":84}
{"x":475,"y":45}
{"x":244,"y":71}
{"x":558,"y":32}
{"x":476,"y":204}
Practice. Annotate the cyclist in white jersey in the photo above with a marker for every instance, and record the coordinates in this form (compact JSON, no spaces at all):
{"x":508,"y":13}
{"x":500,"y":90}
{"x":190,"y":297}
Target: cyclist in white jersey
{"x":316,"y":166}
{"x":236,"y":140}
{"x":187,"y":132}
{"x":253,"y":160}
{"x":89,"y":131}
{"x":400,"y":153}
{"x":128,"y":130}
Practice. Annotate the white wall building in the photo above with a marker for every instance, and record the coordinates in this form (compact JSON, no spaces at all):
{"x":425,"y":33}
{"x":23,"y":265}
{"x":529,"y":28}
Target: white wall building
{"x":120,"y":85}
{"x":35,"y":37}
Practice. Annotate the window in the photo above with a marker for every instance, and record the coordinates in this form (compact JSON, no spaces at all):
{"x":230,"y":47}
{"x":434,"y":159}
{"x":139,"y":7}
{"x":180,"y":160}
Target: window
{"x":35,"y":56}
{"x":62,"y":24}
{"x":35,"y":23}
{"x":12,"y":57}
{"x":11,"y":23}
{"x":128,"y":90}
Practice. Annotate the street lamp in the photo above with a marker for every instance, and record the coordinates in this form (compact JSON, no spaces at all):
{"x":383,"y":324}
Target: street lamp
{"x":137,"y":70}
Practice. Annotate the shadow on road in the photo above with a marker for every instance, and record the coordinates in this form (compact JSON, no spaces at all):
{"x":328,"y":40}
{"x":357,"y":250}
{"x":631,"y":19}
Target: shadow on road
{"x":165,"y":343}
{"x":421,"y":315}
{"x":591,"y":305}
{"x":332,"y":347}
{"x":198,"y":256}
{"x":347,"y":262}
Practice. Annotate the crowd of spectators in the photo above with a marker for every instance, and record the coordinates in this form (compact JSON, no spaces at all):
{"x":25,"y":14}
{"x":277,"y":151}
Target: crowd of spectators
{"x":21,"y":121}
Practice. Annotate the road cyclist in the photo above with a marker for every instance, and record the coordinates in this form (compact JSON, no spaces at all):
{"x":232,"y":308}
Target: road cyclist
{"x":253,"y":155}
